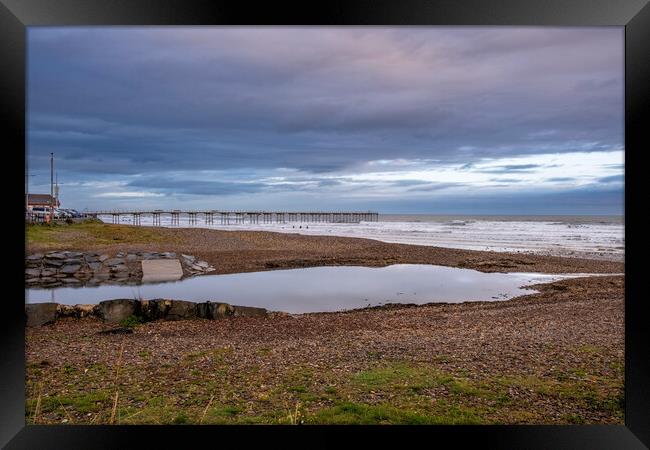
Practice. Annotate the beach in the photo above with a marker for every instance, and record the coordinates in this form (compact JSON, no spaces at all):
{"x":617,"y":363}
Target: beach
{"x":591,"y":237}
{"x":234,"y":251}
{"x":552,"y":357}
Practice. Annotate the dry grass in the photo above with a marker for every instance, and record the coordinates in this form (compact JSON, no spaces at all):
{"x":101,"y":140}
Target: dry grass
{"x":37,"y":408}
{"x":205,"y":411}
{"x":117,"y":389}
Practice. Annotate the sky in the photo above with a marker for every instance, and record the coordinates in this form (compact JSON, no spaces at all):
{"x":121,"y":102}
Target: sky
{"x":432,"y":120}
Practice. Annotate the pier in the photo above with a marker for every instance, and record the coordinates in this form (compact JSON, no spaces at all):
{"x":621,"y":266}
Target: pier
{"x":238,"y":217}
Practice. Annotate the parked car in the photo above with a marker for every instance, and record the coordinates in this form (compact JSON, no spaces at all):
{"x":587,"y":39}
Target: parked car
{"x":39,"y":211}
{"x":60,"y":213}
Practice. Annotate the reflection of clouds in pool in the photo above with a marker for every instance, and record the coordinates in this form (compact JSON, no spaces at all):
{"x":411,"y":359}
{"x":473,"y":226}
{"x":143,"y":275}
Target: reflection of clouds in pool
{"x":320,"y":288}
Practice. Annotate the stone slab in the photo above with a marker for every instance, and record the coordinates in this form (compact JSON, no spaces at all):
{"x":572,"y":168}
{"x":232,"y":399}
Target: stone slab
{"x":161,"y":270}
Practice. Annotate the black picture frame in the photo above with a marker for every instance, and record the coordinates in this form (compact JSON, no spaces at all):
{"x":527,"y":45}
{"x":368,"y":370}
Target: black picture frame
{"x":634,"y":15}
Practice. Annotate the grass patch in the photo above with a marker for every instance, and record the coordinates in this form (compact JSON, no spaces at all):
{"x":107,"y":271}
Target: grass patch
{"x":350,"y":413}
{"x":131,"y":321}
{"x":87,"y":234}
{"x":416,"y":379}
{"x":384,"y":393}
{"x":599,"y":394}
{"x":81,"y":403}
{"x":180,"y":419}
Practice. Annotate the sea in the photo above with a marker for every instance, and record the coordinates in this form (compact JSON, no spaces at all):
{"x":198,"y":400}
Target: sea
{"x":595,"y":237}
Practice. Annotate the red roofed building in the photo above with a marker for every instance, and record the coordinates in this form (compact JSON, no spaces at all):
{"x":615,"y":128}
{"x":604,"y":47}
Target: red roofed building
{"x":41,"y":200}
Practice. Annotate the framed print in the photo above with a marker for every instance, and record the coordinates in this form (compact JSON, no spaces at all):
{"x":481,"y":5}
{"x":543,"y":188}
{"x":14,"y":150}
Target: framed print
{"x":347,"y":216}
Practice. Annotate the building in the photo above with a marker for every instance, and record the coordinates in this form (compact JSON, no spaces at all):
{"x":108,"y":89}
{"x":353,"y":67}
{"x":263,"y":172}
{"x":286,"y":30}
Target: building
{"x":41,"y":200}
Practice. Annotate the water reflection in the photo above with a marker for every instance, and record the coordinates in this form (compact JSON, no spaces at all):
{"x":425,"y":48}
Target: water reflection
{"x":319,"y":288}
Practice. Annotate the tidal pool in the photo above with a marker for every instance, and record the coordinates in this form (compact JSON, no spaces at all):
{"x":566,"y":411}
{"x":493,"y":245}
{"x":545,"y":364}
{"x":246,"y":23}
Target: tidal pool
{"x":318,"y":289}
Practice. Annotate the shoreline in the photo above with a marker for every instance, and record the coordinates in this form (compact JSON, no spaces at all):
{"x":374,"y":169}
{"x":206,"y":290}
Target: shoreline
{"x":250,"y":251}
{"x":513,"y":234}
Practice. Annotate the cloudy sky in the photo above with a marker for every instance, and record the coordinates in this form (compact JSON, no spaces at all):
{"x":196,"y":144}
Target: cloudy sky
{"x":480,"y":120}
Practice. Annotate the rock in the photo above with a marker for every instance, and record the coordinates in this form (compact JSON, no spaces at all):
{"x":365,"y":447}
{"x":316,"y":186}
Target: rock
{"x":120,"y":274}
{"x":70,"y":269}
{"x":167,"y":309}
{"x":118,"y":309}
{"x":102,"y":258}
{"x":56,"y":255}
{"x":119,"y":268}
{"x":47,"y":272}
{"x":102,"y":275}
{"x":203,"y":264}
{"x":131,"y":257}
{"x":35,"y":257}
{"x":82,"y":275}
{"x":72,"y":261}
{"x":76,"y":311}
{"x":249,"y":311}
{"x":74,"y":254}
{"x":40,"y":313}
{"x":155,"y":309}
{"x":33,"y":280}
{"x":189,"y":258}
{"x":53,"y":262}
{"x":60,"y":275}
{"x":121,"y":255}
{"x":95,"y":266}
{"x":92,"y":259}
{"x":65,"y":311}
{"x":85,"y":310}
{"x":47,"y":280}
{"x":168,"y":255}
{"x":114,"y":262}
{"x":181,"y":309}
{"x":70,"y":281}
{"x":33,"y":273}
{"x":214,"y":310}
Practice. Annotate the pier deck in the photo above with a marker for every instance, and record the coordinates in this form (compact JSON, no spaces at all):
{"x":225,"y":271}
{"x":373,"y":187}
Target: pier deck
{"x":240,"y":217}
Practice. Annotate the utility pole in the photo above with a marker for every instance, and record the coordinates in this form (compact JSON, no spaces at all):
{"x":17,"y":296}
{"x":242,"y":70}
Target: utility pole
{"x":51,"y":186}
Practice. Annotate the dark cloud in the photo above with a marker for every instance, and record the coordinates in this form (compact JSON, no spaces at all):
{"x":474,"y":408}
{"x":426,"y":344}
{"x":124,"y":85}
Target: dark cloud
{"x":232,"y":97}
{"x":197,"y":187}
{"x":430,"y":187}
{"x":561,"y":179}
{"x":512,"y":168}
{"x":124,"y":102}
{"x":612,"y":179}
{"x":506,"y":180}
